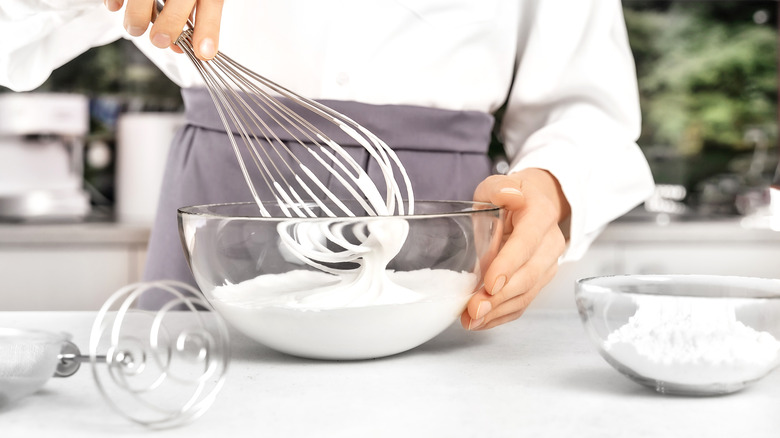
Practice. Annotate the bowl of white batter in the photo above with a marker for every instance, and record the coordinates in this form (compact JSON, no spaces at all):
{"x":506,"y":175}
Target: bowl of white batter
{"x":340,"y":288}
{"x":692,"y":335}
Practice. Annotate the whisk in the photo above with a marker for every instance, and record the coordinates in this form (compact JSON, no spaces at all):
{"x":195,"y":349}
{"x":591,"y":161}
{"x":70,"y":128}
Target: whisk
{"x":248,"y":104}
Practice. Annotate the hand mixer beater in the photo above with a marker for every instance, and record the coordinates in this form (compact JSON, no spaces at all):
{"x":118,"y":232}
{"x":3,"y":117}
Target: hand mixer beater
{"x":251,"y":105}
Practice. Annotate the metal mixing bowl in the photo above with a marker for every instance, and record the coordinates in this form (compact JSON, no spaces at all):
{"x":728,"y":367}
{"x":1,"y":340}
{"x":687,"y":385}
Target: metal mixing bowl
{"x":270,"y":293}
{"x":684,"y":334}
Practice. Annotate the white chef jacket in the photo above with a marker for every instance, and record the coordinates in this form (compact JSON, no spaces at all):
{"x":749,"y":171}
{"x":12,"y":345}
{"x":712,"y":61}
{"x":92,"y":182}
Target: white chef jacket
{"x":563,"y":67}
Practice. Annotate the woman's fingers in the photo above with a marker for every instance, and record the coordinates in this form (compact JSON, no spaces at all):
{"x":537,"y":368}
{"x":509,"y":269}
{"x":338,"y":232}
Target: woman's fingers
{"x":113,"y":5}
{"x":519,"y":248}
{"x":170,"y":22}
{"x":486,"y":311}
{"x":531,"y":217}
{"x":138,"y":15}
{"x":468,"y":318}
{"x":206,"y":35}
{"x":514,"y":307}
{"x":528,"y":258}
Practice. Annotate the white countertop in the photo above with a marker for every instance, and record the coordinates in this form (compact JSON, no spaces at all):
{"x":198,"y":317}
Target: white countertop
{"x":723,"y":230}
{"x":536,"y":377}
{"x":74,"y":233}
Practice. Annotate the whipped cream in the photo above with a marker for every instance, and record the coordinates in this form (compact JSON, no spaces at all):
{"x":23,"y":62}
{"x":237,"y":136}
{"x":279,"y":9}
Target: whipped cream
{"x":309,"y":313}
{"x":358,"y":311}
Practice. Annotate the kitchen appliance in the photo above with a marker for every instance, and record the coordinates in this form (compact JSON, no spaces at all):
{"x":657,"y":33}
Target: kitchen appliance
{"x":41,"y":150}
{"x":774,"y":200}
{"x":767,"y":215}
{"x":143,"y":141}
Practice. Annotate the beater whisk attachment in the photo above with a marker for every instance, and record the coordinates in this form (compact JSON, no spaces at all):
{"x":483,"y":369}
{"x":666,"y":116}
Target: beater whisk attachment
{"x":287,"y":144}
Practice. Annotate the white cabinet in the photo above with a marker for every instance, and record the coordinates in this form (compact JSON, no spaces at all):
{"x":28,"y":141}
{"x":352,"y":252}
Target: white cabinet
{"x":67,"y":267}
{"x":753,"y":259}
{"x":720,"y":248}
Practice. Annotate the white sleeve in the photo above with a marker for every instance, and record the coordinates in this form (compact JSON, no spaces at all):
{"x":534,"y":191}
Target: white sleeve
{"x":40,"y":36}
{"x":574,"y":111}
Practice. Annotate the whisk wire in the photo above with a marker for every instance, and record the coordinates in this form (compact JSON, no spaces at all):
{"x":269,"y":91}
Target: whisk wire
{"x":376,"y":148}
{"x":247,"y":105}
{"x":224,"y":103}
{"x":358,"y":175}
{"x":186,"y":46}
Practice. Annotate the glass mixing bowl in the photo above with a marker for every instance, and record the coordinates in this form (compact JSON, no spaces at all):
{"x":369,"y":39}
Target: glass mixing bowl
{"x":684,"y":334}
{"x":28,"y":359}
{"x":340,"y":288}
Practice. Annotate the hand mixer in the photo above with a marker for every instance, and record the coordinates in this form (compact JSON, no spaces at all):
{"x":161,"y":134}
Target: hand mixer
{"x":248,"y":104}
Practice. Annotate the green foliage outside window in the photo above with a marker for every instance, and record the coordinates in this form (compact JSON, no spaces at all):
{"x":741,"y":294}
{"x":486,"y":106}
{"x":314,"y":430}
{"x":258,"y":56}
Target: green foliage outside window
{"x":707,"y":75}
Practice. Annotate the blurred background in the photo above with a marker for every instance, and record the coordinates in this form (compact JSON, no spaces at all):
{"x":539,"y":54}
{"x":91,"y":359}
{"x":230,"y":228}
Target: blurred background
{"x":708,"y":80}
{"x":707,"y":74}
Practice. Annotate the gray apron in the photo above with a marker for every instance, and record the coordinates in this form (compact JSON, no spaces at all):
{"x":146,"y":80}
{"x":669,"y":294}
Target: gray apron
{"x":444,"y":152}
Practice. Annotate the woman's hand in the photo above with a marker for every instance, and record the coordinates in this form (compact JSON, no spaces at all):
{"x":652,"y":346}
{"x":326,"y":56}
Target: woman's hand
{"x":170,"y":22}
{"x":532,"y":244}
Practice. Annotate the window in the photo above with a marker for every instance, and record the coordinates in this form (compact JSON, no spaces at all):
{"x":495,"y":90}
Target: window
{"x":707,"y":74}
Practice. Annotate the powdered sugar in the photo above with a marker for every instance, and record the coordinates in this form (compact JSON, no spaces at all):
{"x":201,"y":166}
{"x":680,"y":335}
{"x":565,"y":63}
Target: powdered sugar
{"x":692,"y":341}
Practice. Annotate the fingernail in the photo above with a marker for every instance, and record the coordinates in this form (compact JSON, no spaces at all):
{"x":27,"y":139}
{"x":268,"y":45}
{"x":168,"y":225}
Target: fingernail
{"x":161,"y":40}
{"x":207,"y":48}
{"x":113,"y":5}
{"x":511,"y":191}
{"x":135,"y":30}
{"x":498,"y":285}
{"x":475,"y":323}
{"x":483,"y":309}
